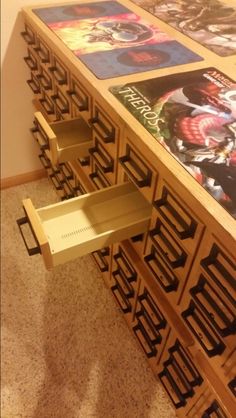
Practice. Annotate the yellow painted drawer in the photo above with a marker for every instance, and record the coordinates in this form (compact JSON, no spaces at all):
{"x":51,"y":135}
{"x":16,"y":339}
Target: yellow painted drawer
{"x":86,"y":223}
{"x":64,"y":140}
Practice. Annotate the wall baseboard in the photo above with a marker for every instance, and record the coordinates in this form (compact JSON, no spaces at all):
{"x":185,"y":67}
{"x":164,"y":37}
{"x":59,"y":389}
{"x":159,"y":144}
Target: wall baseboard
{"x":22,"y":178}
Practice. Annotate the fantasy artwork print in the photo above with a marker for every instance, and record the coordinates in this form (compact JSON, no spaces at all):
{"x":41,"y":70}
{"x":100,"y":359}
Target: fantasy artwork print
{"x":111,"y":40}
{"x":212,"y":23}
{"x":193,"y":115}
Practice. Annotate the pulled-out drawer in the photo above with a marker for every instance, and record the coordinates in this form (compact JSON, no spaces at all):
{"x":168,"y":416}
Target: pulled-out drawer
{"x":69,"y":229}
{"x":63,"y":140}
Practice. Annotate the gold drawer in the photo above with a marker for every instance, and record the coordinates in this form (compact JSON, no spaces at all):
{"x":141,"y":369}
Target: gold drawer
{"x":64,"y":140}
{"x":87,"y":223}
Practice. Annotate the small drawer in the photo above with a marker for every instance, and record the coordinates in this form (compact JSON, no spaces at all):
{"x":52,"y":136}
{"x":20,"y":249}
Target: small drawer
{"x":103,"y":126}
{"x":179,"y":218}
{"x":81,"y":98}
{"x":153,"y":334}
{"x":31,"y":60}
{"x":29,"y":35}
{"x":222,"y":269}
{"x":167,"y":246}
{"x":98,"y":178}
{"x":48,"y":107}
{"x":69,"y":192}
{"x":42,"y":51}
{"x":135,"y":167}
{"x":61,"y":102}
{"x":46,"y":163}
{"x":67,"y":230}
{"x":148,"y":306}
{"x":67,"y":171}
{"x":203,"y":331}
{"x":160,"y":269}
{"x":59,"y":71}
{"x":217,"y":306}
{"x":103,"y":159}
{"x":172,"y":388}
{"x":101,"y":258}
{"x":122,"y":301}
{"x":125,"y":265}
{"x":148,"y":347}
{"x":65,"y":140}
{"x":123,"y":283}
{"x":184,"y":387}
{"x":185,"y":364}
{"x":214,"y":411}
{"x":45,"y":79}
{"x":34,"y":84}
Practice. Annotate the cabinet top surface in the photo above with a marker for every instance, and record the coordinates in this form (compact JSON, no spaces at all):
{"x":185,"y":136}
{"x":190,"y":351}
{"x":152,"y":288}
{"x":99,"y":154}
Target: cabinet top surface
{"x":172,"y":77}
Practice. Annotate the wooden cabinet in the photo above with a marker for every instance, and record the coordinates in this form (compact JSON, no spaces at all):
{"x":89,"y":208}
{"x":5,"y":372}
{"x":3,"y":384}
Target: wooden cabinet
{"x":165,"y":247}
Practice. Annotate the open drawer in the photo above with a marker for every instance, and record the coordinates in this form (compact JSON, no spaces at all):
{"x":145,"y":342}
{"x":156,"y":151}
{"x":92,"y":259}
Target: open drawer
{"x":62,"y":141}
{"x":69,"y":229}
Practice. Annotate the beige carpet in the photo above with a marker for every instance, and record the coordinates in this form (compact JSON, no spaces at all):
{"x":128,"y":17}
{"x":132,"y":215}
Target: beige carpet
{"x":66,"y":350}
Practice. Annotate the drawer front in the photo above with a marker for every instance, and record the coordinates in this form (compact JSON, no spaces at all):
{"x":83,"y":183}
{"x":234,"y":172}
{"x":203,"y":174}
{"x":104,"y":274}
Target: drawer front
{"x":214,"y":411}
{"x":106,"y":129}
{"x":102,"y":259}
{"x":182,"y":223}
{"x":138,"y":170}
{"x":29,"y":35}
{"x":81,"y":98}
{"x":34,"y":84}
{"x":45,"y":78}
{"x":43,"y":51}
{"x":48,"y":107}
{"x":98,"y":178}
{"x":103,"y":160}
{"x":150,"y":326}
{"x":59,"y":72}
{"x":31,"y":60}
{"x":62,"y":103}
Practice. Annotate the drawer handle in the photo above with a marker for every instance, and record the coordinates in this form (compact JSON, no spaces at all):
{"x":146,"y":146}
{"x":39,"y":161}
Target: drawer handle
{"x":83,"y":105}
{"x":28,"y":38}
{"x":185,"y":364}
{"x":123,"y":303}
{"x":56,"y":183}
{"x":99,"y":259}
{"x":33,"y":85}
{"x":33,"y":250}
{"x":47,"y":84}
{"x":136,"y":173}
{"x":161,"y":271}
{"x":84,"y":161}
{"x":105,"y":165}
{"x":99,"y":182}
{"x":232,"y":386}
{"x":63,"y":107}
{"x":44,"y":161}
{"x":148,"y":348}
{"x":171,"y":388}
{"x":49,"y":109}
{"x":35,"y":130}
{"x":58,"y":76}
{"x":43,"y":56}
{"x":108,"y":136}
{"x":31,"y":63}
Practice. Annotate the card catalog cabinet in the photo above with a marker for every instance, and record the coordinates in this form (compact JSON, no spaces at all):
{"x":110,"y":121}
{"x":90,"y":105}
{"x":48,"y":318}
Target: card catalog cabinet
{"x":166,"y":256}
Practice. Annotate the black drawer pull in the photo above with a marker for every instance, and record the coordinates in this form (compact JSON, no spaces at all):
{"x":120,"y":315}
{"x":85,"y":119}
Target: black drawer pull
{"x":45,"y":81}
{"x":161,"y":271}
{"x":40,"y":136}
{"x":121,"y":300}
{"x":31,"y":63}
{"x":151,"y":310}
{"x":153,"y":334}
{"x":221,"y":269}
{"x":148,"y":348}
{"x":99,"y":180}
{"x":81,"y":104}
{"x":215,"y":306}
{"x":214,"y":411}
{"x":45,"y":161}
{"x":203,"y":331}
{"x":175,"y":215}
{"x":135,"y":168}
{"x":100,"y":261}
{"x":123,"y":284}
{"x":68,"y":173}
{"x":106,"y":135}
{"x":103,"y":160}
{"x":47,"y":106}
{"x":43,"y":55}
{"x":125,"y":266}
{"x":29,"y":38}
{"x":232,"y":386}
{"x":33,"y":250}
{"x":84,"y":161}
{"x":179,"y":378}
{"x":168,"y":246}
{"x":185,"y":364}
{"x":60,"y":76}
{"x":56,"y":183}
{"x":33,"y":84}
{"x":62,"y":104}
{"x":172,"y":389}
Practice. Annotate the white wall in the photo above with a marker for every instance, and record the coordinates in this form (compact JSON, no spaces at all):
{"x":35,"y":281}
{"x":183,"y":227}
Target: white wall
{"x":18,"y":150}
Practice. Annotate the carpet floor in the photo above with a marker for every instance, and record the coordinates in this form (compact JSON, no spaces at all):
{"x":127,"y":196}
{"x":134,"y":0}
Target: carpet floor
{"x":66,"y":350}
